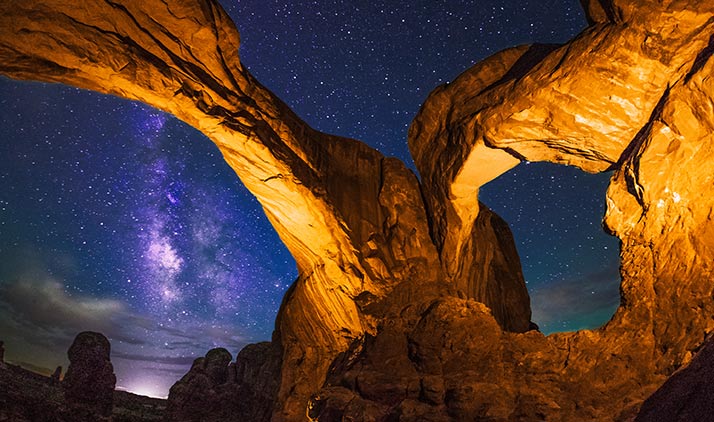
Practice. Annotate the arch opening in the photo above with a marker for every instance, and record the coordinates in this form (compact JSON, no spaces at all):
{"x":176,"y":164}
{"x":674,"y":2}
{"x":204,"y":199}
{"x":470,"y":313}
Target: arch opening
{"x":571,"y":266}
{"x":129,"y":222}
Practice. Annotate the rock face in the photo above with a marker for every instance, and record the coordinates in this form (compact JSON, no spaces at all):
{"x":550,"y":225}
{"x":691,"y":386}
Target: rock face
{"x":27,"y":396}
{"x":216,"y":389}
{"x":352,"y":245}
{"x":203,"y":393}
{"x":257,"y":374}
{"x":89,"y":383}
{"x":410,"y":303}
{"x":686,"y":395}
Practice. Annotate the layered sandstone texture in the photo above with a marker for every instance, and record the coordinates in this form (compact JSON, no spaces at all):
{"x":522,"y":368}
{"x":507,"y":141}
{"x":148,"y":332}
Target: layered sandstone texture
{"x":410,"y":303}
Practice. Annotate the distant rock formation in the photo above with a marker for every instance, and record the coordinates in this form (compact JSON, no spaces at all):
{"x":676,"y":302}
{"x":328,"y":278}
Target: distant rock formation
{"x":257,"y":375}
{"x":89,"y":383}
{"x":403,"y":282}
{"x":56,"y":376}
{"x":216,"y":389}
{"x":204,"y":393}
{"x":28,"y":396}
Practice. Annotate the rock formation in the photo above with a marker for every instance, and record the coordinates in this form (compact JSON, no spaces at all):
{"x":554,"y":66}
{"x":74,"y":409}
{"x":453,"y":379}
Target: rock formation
{"x":203,"y":393}
{"x":686,"y":395}
{"x":89,"y":383}
{"x":410,"y":303}
{"x":215,"y":389}
{"x":56,"y":375}
{"x":28,"y":396}
{"x":257,"y":375}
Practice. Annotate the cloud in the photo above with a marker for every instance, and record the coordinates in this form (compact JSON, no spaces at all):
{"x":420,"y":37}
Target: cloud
{"x":48,"y":316}
{"x":39,"y":320}
{"x":580,"y":303}
{"x":43,"y":303}
{"x":44,"y":307}
{"x":167,"y":360}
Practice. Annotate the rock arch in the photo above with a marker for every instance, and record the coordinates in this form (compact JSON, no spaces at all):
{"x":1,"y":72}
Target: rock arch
{"x":571,"y":265}
{"x":390,"y":258}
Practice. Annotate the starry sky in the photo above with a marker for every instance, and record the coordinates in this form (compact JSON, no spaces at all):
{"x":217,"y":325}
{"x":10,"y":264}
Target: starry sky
{"x":118,"y":218}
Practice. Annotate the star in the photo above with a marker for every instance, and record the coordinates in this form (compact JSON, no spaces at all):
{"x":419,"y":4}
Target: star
{"x":106,"y":201}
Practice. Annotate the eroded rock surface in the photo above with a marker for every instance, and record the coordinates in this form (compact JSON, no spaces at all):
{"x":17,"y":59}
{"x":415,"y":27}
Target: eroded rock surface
{"x":687,"y":395}
{"x":449,"y":360}
{"x":578,"y":104}
{"x":205,"y":393}
{"x":89,"y":383}
{"x":216,"y":389}
{"x":410,"y":303}
{"x":354,"y":220}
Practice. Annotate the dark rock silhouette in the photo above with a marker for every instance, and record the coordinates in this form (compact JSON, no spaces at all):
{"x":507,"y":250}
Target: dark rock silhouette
{"x":56,"y":376}
{"x":216,"y":389}
{"x":89,"y":383}
{"x":27,"y":396}
{"x":215,"y":365}
{"x":205,"y":393}
{"x":2,"y":352}
{"x":257,"y":375}
{"x":686,"y":396}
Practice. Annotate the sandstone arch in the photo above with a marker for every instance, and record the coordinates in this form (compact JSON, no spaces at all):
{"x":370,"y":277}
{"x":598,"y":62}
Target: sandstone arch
{"x":378,"y":265}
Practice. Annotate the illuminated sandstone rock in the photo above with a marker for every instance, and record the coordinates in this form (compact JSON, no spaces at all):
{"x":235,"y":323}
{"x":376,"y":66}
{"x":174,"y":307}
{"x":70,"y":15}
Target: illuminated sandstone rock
{"x":659,"y":205}
{"x":386,"y":318}
{"x":579,"y":104}
{"x":353,"y":219}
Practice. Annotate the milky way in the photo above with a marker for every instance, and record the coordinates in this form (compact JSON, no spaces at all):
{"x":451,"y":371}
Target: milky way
{"x":119,"y":218}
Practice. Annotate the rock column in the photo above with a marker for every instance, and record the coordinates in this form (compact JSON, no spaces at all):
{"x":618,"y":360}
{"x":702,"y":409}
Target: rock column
{"x":89,"y":383}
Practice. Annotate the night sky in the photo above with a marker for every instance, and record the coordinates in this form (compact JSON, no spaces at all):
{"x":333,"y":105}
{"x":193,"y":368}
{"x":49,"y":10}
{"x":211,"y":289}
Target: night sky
{"x":118,"y":218}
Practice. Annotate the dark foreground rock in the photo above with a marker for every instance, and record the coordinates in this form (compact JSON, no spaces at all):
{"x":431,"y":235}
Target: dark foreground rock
{"x":27,"y":396}
{"x":216,"y":389}
{"x":90,"y":380}
{"x":688,"y":395}
{"x":204,"y":392}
